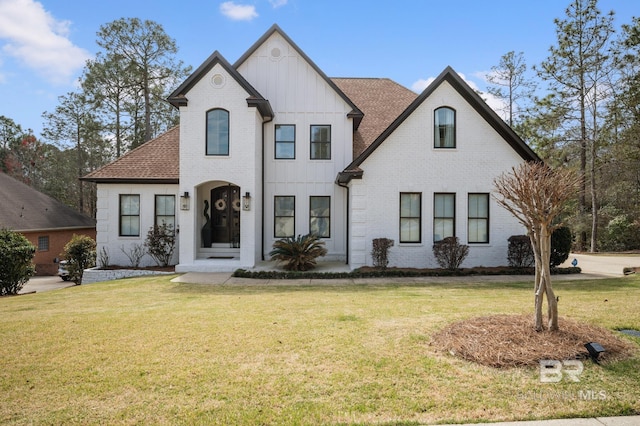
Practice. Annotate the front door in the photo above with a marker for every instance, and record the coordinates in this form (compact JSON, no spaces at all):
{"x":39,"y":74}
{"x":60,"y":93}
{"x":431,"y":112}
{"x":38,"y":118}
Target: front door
{"x":225,"y":215}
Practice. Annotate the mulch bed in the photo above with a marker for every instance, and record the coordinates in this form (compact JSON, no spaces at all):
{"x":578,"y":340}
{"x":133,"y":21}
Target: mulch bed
{"x":504,"y":341}
{"x":140,"y":268}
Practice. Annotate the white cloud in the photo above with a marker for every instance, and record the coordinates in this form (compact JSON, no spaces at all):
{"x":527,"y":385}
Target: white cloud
{"x":238,"y":12}
{"x":278,"y":3}
{"x":496,"y":104}
{"x":30,"y":34}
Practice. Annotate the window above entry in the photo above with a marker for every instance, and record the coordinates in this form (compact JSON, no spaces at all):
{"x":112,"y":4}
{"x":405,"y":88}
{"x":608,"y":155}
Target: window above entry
{"x":217,"y":132}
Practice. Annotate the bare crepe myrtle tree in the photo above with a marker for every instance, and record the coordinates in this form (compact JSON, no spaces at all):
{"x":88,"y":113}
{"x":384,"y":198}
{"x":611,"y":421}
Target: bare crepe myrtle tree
{"x":536,"y":195}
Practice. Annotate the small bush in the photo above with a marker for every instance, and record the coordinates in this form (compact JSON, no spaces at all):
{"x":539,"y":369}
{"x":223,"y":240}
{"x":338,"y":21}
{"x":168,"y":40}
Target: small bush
{"x":298,"y":254}
{"x":16,"y":267}
{"x":160,"y":243}
{"x":80,"y":253}
{"x":561,"y":241}
{"x":520,"y":253}
{"x":103,"y":258}
{"x":450,"y":253}
{"x":380,"y":252}
{"x":135,"y":254}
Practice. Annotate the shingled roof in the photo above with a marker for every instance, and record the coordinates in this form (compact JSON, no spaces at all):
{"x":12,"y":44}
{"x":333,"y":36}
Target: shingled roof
{"x":156,"y":161}
{"x":25,"y":209}
{"x":381,"y":100}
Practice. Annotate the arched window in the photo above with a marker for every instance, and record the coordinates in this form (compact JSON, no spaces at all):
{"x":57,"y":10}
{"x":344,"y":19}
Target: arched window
{"x":444,"y":128}
{"x":217,"y":132}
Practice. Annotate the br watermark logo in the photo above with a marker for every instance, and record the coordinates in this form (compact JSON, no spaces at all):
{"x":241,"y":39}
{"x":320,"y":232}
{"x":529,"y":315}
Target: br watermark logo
{"x":553,"y":371}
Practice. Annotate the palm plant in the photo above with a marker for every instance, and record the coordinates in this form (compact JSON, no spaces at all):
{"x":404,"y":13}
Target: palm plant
{"x":298,"y":253}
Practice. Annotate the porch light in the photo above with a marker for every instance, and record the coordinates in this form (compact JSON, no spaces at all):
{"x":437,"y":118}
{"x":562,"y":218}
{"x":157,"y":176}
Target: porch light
{"x":184,"y":201}
{"x":246,"y":201}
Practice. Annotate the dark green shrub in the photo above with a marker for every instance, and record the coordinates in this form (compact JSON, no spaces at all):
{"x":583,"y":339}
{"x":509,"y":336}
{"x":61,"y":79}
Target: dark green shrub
{"x":380,"y":252}
{"x":520,"y":253}
{"x":298,"y":254}
{"x":450,"y":253}
{"x":561,"y":241}
{"x":160,"y":243}
{"x":16,"y":267}
{"x":80,"y":253}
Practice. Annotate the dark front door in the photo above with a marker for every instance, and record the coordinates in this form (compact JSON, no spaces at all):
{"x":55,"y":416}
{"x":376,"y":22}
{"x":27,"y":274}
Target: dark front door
{"x":225,"y":215}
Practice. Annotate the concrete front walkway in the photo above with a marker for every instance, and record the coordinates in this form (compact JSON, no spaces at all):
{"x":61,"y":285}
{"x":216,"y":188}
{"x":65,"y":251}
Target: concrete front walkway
{"x":595,"y":421}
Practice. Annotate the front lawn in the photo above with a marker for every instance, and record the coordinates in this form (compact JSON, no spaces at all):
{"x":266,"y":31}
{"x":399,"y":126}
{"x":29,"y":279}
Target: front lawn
{"x":149,"y":351}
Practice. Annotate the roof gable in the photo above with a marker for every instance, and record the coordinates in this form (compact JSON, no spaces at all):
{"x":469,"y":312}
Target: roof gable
{"x":179,"y":96}
{"x":26,"y":209}
{"x":450,"y":76}
{"x":355,"y":113}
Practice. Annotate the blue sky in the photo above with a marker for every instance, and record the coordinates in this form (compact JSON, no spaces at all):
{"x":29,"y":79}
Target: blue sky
{"x":44,"y":44}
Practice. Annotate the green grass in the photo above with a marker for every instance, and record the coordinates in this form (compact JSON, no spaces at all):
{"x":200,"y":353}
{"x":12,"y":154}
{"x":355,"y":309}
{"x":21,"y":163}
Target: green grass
{"x":148,"y":351}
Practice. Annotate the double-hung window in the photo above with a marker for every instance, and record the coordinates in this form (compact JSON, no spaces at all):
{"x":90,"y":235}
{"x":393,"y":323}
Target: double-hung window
{"x":217,"y":132}
{"x":165,"y":211}
{"x":284,"y":216}
{"x":129,"y":215}
{"x":478,"y":221}
{"x":43,"y":243}
{"x":410,"y":217}
{"x":320,"y":216}
{"x":321,"y":142}
{"x":285,"y":141}
{"x":444,"y":216}
{"x":444,"y":128}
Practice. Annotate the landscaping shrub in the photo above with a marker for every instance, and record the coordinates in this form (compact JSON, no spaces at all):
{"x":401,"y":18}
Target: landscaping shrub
{"x":135,"y":254}
{"x":520,"y":253}
{"x":298,"y":254}
{"x":561,"y":241}
{"x":16,"y":267}
{"x":160,"y":243}
{"x":450,"y":253}
{"x":380,"y":252}
{"x":80,"y":253}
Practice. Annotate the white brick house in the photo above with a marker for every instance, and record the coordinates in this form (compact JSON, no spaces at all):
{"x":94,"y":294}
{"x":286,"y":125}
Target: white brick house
{"x":271,"y":147}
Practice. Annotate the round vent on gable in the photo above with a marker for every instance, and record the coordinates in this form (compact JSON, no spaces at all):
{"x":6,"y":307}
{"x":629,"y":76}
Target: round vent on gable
{"x":217,"y":81}
{"x":276,"y":51}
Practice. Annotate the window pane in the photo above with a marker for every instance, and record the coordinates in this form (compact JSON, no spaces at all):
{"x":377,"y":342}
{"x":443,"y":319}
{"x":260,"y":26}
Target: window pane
{"x":217,"y":132}
{"x":442,"y":228}
{"x":410,"y":205}
{"x":284,"y":227}
{"x":444,"y":128}
{"x":478,"y":231}
{"x":319,"y":226}
{"x":129,"y":226}
{"x":43,"y":243}
{"x":165,"y":205}
{"x":321,"y":142}
{"x":285,"y":133}
{"x":444,"y":205}
{"x":285,"y":206}
{"x":285,"y":150}
{"x":319,"y":206}
{"x":478,"y":221}
{"x":130,"y":204}
{"x":409,"y":230}
{"x":320,"y":133}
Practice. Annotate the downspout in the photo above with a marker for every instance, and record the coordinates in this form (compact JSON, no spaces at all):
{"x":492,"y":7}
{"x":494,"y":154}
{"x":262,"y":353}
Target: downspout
{"x":345,"y":186}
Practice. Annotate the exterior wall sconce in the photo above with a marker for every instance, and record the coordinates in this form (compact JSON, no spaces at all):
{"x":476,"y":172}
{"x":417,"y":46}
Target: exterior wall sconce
{"x":185,"y":201}
{"x":246,"y":201}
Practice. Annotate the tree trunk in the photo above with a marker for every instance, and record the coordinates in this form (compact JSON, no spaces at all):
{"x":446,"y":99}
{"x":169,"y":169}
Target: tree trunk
{"x":539,"y":284}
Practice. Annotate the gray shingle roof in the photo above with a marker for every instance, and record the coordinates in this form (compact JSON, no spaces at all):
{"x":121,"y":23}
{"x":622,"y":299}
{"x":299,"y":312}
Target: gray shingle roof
{"x":25,"y":209}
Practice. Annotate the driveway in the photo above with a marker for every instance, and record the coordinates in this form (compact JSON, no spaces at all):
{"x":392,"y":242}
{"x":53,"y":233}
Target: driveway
{"x":40,"y":284}
{"x":604,"y":265}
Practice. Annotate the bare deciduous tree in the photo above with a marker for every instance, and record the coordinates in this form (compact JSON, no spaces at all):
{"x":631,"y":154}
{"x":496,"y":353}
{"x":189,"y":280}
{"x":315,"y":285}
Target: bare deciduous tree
{"x":536,"y":195}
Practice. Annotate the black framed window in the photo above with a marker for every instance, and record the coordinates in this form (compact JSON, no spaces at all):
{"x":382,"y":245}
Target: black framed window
{"x":217,"y":132}
{"x":478,"y":221}
{"x":320,"y":216}
{"x":165,"y":210}
{"x":285,"y":141}
{"x":284,"y":216}
{"x":129,"y":215}
{"x":444,"y":128}
{"x":444,"y":216}
{"x":320,"y":142}
{"x":410,"y":217}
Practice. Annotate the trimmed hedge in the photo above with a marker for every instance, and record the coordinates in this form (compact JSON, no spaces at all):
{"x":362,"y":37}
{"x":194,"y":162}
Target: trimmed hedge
{"x":380,"y":273}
